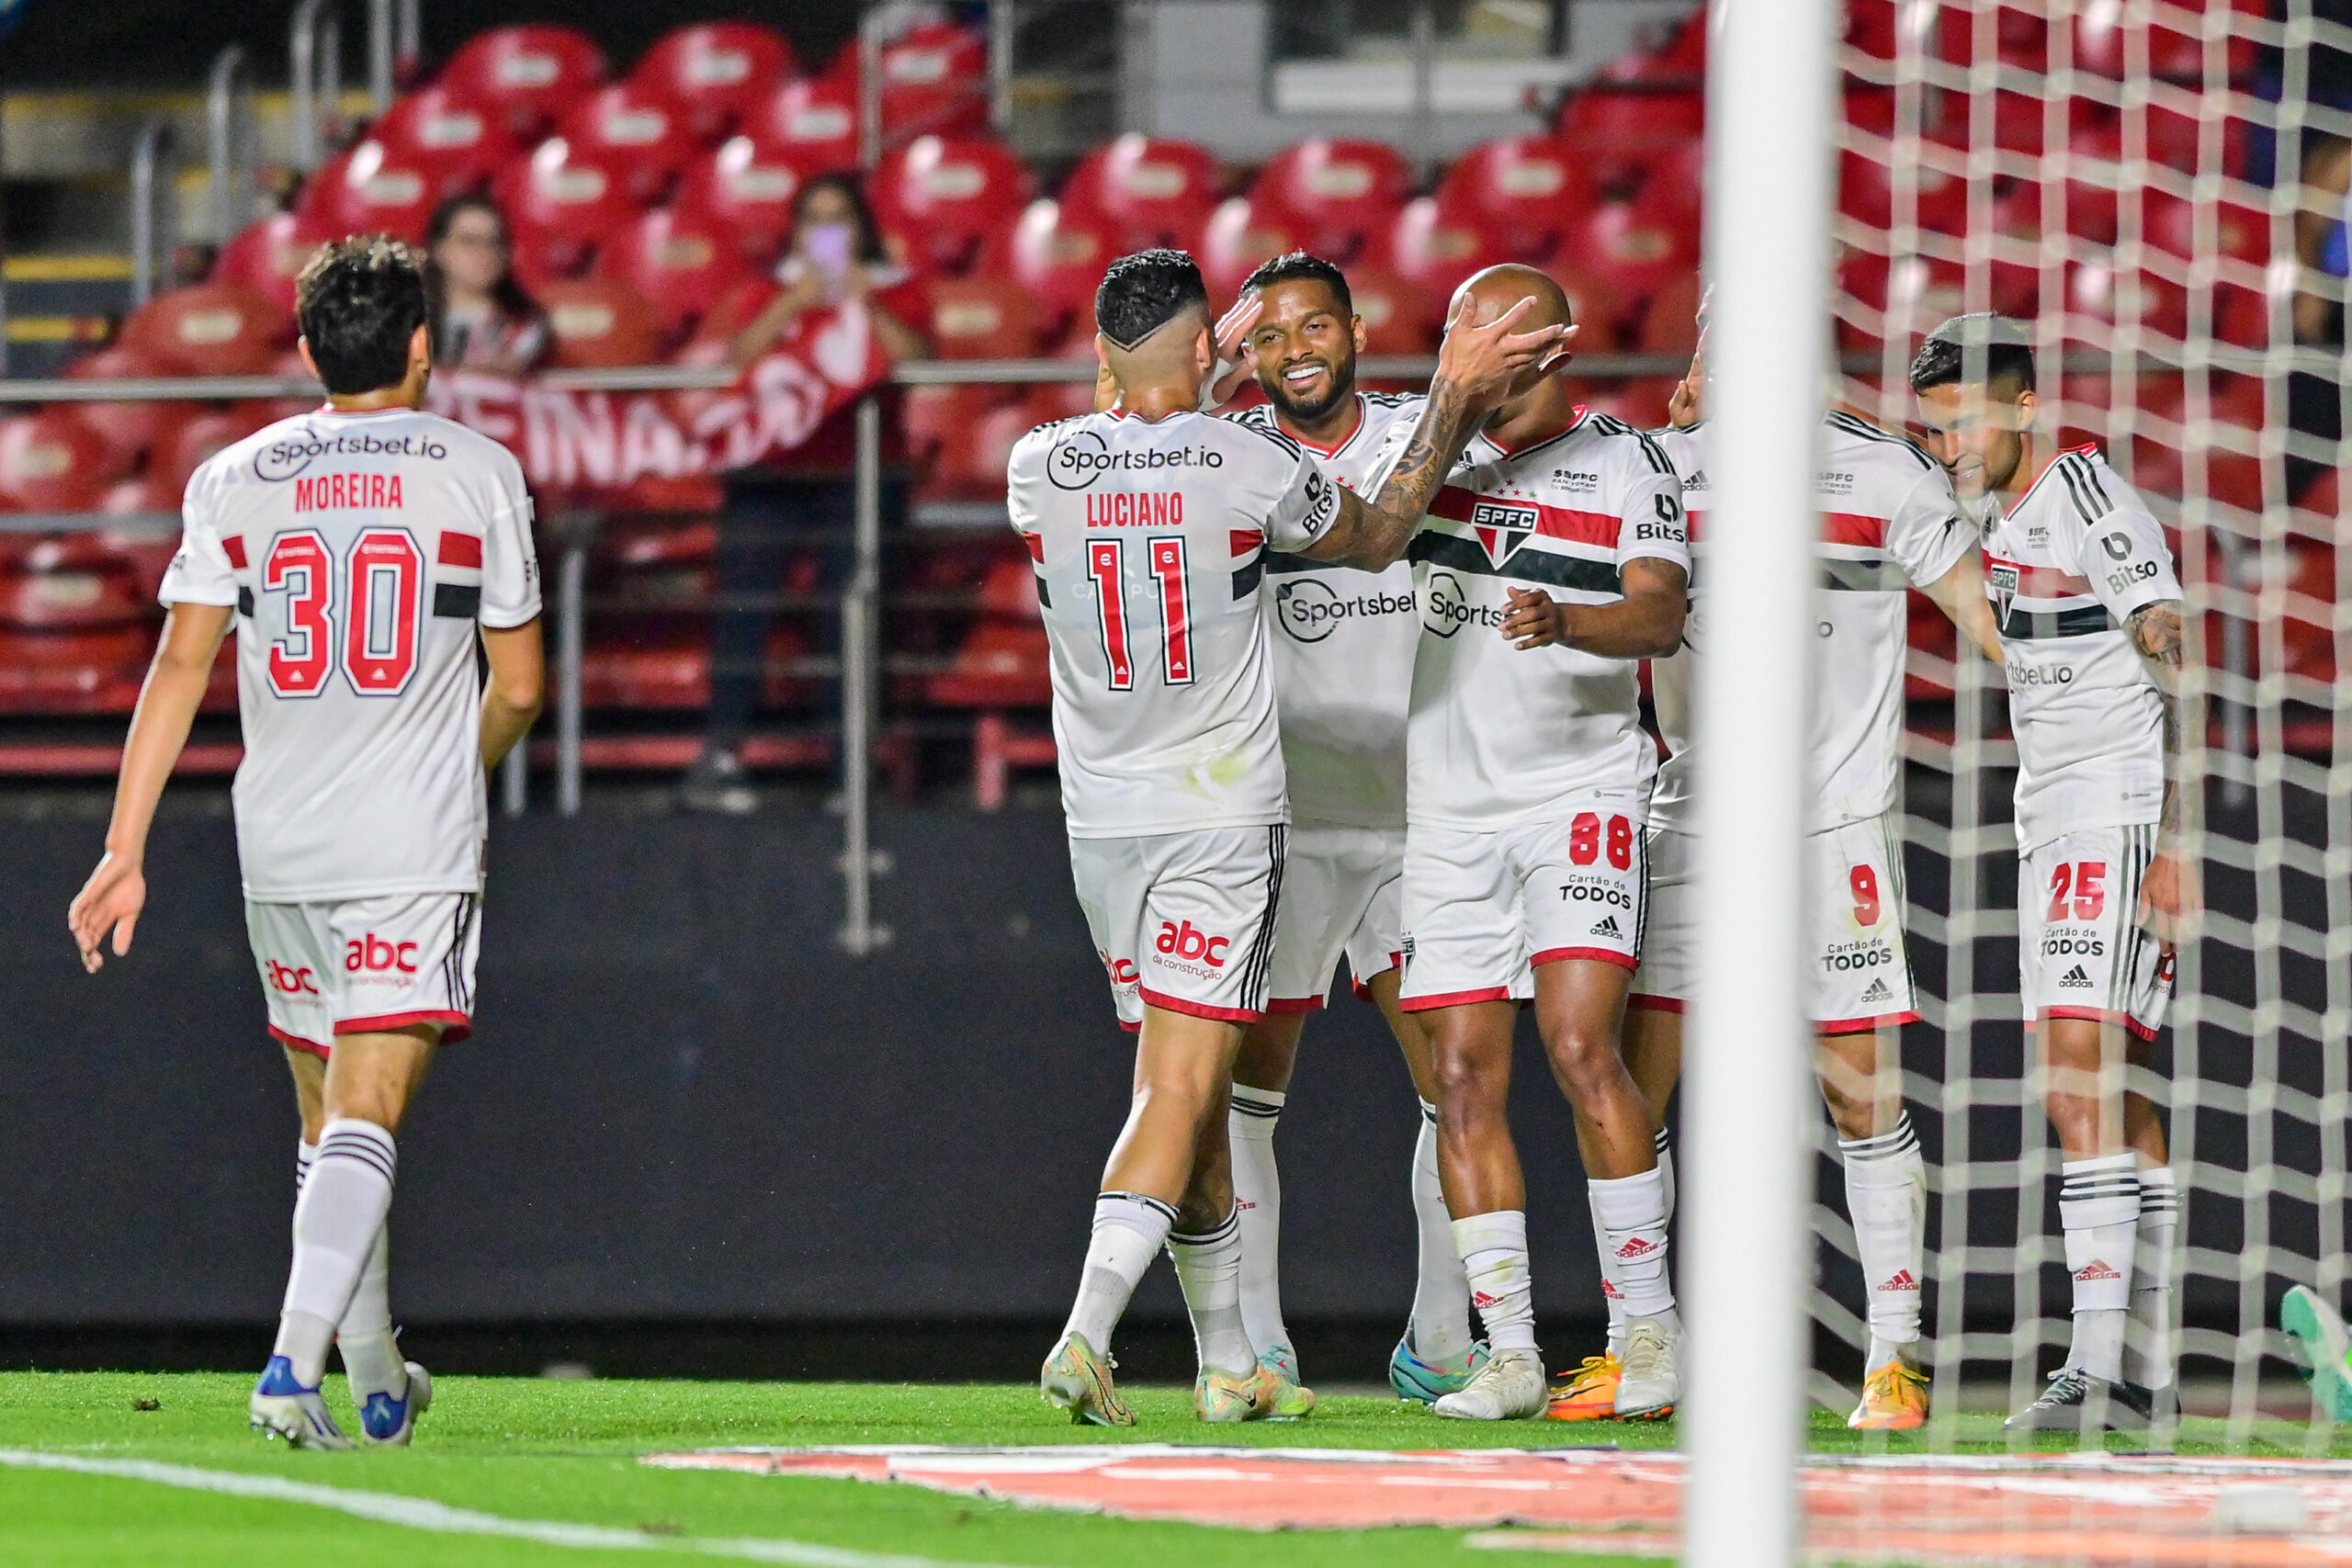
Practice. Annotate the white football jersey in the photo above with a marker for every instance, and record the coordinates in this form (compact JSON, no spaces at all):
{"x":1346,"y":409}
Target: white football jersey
{"x":1149,"y":540}
{"x":1343,"y":643}
{"x":360,"y":550}
{"x":1888,"y":520}
{"x":2066,"y":567}
{"x":1498,"y":736}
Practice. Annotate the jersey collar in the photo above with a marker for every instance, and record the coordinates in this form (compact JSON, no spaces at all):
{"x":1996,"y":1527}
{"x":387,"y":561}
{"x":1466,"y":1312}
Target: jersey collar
{"x":1573,"y":427}
{"x":2087,"y":449}
{"x":1316,"y":446}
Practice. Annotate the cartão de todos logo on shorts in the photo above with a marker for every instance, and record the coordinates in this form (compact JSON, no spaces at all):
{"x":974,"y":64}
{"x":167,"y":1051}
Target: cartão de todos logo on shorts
{"x":1446,"y":608}
{"x":1309,"y":609}
{"x":1596,"y":893}
{"x":1077,"y":461}
{"x":1842,"y":957}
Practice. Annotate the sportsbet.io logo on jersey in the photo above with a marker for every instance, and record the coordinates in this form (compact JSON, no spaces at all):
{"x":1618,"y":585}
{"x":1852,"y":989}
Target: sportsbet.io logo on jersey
{"x":1085,"y":457}
{"x":284,"y":459}
{"x":1448,"y":609}
{"x":1309,"y":609}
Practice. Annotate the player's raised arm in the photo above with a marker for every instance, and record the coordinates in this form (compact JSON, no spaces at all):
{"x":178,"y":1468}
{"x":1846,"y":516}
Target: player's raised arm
{"x":1477,"y":367}
{"x":109,"y":903}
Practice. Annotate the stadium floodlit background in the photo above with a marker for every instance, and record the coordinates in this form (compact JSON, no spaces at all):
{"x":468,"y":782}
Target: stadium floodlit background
{"x":814,"y":1084}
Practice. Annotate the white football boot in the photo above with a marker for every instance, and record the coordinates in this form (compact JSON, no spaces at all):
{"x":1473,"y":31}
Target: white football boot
{"x":1653,"y":1377}
{"x":1508,"y":1387}
{"x":282,"y":1407}
{"x":387,"y":1422}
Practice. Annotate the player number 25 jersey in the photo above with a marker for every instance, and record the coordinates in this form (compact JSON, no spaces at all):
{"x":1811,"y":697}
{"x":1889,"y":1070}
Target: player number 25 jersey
{"x":2066,"y":567}
{"x":359,"y":551}
{"x":1343,"y":643}
{"x":1149,"y":540}
{"x":1498,"y":735}
{"x":1888,"y":520}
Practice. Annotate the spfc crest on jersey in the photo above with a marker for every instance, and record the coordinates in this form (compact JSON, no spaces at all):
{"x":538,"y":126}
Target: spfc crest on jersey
{"x":1501,"y":525}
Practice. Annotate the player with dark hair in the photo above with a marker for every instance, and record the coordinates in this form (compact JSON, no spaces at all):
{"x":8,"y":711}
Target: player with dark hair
{"x":2082,"y":585}
{"x":1553,"y":561}
{"x":1343,"y":670}
{"x":1149,"y":525}
{"x":369,"y":553}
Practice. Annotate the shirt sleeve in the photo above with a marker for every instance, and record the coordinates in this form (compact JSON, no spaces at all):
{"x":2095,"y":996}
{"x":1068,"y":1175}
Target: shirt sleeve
{"x":1020,"y":477}
{"x":1927,"y":536}
{"x":1651,"y":523}
{"x":2123,"y":552}
{"x":510,"y":560}
{"x":201,"y":572}
{"x":1309,"y":505}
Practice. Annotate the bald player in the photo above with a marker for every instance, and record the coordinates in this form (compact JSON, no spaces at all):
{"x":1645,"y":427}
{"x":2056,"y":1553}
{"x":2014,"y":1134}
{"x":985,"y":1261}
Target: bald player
{"x":1148,"y":524}
{"x":1551,"y":563}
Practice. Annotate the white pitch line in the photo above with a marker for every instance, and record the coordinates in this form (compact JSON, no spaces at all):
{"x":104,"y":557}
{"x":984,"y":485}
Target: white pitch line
{"x":425,"y":1514}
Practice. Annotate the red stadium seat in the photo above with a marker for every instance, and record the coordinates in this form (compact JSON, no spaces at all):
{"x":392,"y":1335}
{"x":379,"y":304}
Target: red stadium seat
{"x":2097,"y":288}
{"x":51,"y":461}
{"x":745,"y":188}
{"x":69,"y":672}
{"x":210,"y":328}
{"x":267,"y":256}
{"x":1341,"y":196}
{"x":1437,"y":248}
{"x":983,"y":318}
{"x":128,"y":429}
{"x":2319,"y":511}
{"x":811,"y":125}
{"x":2109,"y":41}
{"x":1003,"y":664}
{"x":2308,"y":628}
{"x":1398,"y":314}
{"x":1239,"y":235}
{"x":1670,"y":324}
{"x":370,"y":189}
{"x":2177,"y":140}
{"x":596,"y":323}
{"x":1059,"y":255}
{"x":2018,"y":38}
{"x":185,"y":447}
{"x":635,"y":130}
{"x":1907,"y":299}
{"x":563,"y":202}
{"x":679,"y":261}
{"x":1530,"y":189}
{"x":1682,"y":60}
{"x":71,"y":599}
{"x":457,"y":142}
{"x":1633,"y":252}
{"x":530,"y":74}
{"x":715,"y":72}
{"x":1624,"y":133}
{"x":1866,"y":194}
{"x":944,"y":195}
{"x":940,"y":423}
{"x":1152,"y":192}
{"x":935,"y":83}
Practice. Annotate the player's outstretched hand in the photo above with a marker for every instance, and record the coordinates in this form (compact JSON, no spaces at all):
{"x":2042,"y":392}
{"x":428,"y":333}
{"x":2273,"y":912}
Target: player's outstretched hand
{"x":109,"y":901}
{"x":1682,"y":403}
{"x":2170,"y":898}
{"x":1483,"y":358}
{"x":1233,"y":348}
{"x":1535,"y":620}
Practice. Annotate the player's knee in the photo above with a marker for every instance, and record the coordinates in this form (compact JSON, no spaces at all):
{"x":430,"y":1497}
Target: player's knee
{"x":1585,"y":1057}
{"x":1468,"y":1081}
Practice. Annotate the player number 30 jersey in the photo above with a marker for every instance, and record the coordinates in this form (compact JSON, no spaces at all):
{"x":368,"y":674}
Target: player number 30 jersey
{"x":359,"y":551}
{"x":1148,"y":538}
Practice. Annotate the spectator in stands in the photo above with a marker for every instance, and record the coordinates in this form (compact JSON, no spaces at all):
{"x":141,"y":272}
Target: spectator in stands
{"x":482,"y":318}
{"x":805,"y":499}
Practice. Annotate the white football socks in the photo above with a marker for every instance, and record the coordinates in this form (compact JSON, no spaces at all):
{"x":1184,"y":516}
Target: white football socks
{"x":336,"y":1221}
{"x":2098,"y":1203}
{"x":1129,"y":1229}
{"x":1886,"y":1194}
{"x":1209,"y":1267}
{"x":1630,"y":1212}
{"x":1612,"y":1290}
{"x":2148,"y":1344}
{"x":370,"y":1354}
{"x":1494,"y":1256}
{"x":1258,"y":1198}
{"x":1440,"y":1330}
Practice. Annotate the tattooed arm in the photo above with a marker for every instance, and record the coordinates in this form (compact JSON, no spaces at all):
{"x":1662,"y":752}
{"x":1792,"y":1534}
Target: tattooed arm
{"x":2168,"y":895}
{"x":1474,"y":369}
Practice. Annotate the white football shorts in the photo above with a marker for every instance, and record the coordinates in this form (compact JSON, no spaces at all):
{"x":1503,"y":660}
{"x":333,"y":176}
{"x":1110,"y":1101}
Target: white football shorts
{"x":1859,"y":972}
{"x":1184,"y":921}
{"x":1341,"y":895}
{"x":358,"y":965}
{"x":2081,"y":951}
{"x":1483,"y":910}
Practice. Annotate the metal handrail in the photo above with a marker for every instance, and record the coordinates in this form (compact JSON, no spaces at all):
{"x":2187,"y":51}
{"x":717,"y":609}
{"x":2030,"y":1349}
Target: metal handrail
{"x":149,"y":240}
{"x":313,"y":49}
{"x":227,"y":147}
{"x":381,"y":49}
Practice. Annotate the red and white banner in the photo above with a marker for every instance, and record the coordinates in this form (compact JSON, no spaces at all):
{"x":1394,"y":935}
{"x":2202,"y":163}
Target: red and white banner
{"x":569,"y":439}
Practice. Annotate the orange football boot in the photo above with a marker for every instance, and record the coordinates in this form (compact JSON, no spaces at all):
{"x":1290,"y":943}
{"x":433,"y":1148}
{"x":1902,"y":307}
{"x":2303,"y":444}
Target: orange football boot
{"x":1895,"y":1399}
{"x":1589,"y":1394}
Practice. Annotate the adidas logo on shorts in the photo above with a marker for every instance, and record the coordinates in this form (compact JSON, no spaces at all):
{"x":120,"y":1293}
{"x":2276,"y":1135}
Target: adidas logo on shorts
{"x":1608,"y":928}
{"x":1878,"y":992}
{"x":2074,"y":979}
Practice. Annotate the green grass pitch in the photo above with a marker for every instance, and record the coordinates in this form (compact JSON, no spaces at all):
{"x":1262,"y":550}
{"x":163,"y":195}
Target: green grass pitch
{"x":567,"y":1452}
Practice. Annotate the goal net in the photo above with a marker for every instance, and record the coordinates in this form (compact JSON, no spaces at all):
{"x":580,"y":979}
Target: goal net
{"x":2132,"y":178}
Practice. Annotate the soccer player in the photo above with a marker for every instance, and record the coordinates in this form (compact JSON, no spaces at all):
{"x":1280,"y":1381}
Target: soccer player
{"x":1551,"y":563}
{"x":1343,"y":668}
{"x":1889,"y":519}
{"x":367,"y":554}
{"x":2082,"y":584}
{"x":1149,"y":525}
